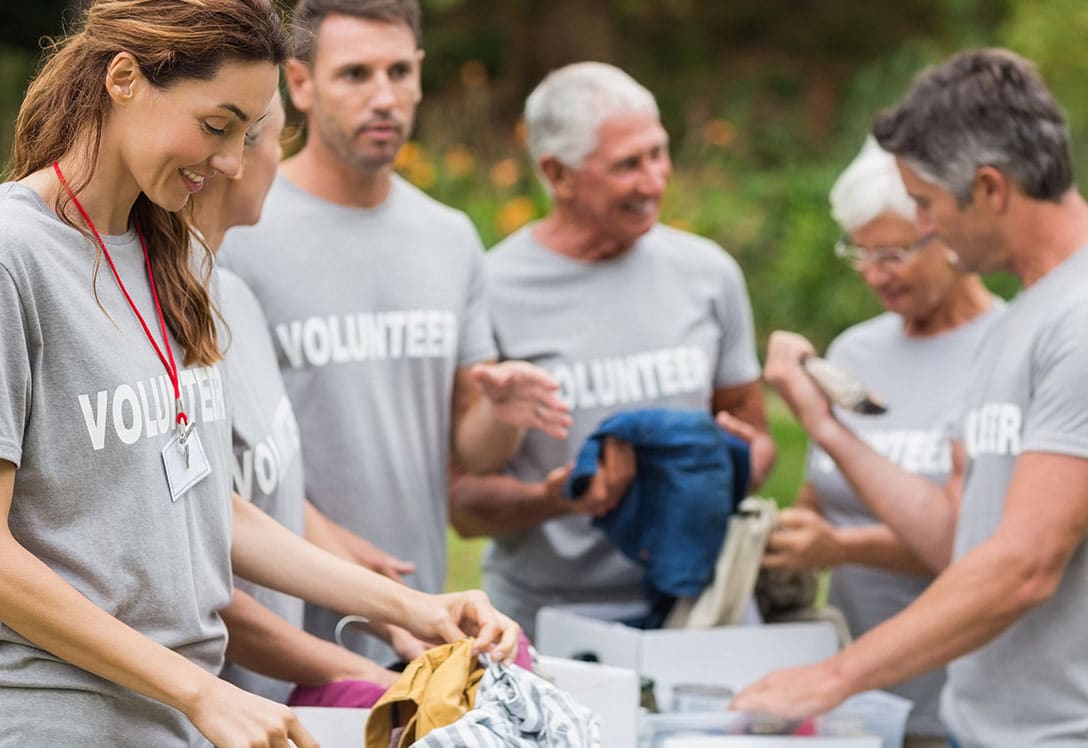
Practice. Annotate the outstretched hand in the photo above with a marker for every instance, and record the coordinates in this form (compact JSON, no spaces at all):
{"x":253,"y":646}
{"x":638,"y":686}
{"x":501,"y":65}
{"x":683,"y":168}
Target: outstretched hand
{"x":797,"y":693}
{"x":524,"y":395}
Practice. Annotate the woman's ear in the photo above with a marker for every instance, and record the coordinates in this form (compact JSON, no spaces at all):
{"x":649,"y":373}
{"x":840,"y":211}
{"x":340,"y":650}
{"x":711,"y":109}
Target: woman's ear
{"x":123,"y":76}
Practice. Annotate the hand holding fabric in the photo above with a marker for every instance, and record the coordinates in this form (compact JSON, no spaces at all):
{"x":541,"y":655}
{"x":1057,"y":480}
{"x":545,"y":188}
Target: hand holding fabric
{"x":615,"y":472}
{"x":524,"y":395}
{"x":784,"y":372}
{"x":802,"y":540}
{"x":456,"y":615}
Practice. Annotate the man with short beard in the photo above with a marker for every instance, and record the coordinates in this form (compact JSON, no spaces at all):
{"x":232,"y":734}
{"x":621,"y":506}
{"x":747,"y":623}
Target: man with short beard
{"x":374,"y":296}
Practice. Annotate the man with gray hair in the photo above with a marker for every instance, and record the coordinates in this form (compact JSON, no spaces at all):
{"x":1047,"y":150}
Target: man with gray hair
{"x":983,"y":149}
{"x":594,"y":291}
{"x":374,"y":295}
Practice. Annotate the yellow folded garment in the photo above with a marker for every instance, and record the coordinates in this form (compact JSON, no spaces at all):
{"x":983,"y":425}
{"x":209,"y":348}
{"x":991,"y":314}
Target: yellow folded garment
{"x":435,"y":690}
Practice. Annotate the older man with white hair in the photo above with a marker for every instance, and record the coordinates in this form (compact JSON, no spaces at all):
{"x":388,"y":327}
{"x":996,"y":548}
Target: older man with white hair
{"x":625,"y":313}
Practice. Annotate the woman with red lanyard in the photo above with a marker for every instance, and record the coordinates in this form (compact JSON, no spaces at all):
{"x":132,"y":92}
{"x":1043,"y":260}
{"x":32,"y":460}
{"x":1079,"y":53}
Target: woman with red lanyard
{"x":116,"y":533}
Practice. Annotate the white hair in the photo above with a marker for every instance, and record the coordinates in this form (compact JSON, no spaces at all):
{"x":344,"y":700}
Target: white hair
{"x":869,"y":187}
{"x":565,"y":111}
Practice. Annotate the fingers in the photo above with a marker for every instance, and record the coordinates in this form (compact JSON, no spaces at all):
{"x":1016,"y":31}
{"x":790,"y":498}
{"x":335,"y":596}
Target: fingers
{"x":300,"y":736}
{"x":552,"y":416}
{"x":393,"y":567}
{"x":615,"y":471}
{"x":490,"y":376}
{"x":735,"y":426}
{"x":619,"y":467}
{"x":506,"y":651}
{"x":553,"y":487}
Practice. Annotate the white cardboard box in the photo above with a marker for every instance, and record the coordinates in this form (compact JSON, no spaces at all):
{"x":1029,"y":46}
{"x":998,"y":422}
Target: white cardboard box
{"x":733,"y":656}
{"x":334,"y":728}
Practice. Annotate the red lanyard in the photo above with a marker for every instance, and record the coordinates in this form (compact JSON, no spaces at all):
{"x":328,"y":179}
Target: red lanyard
{"x":168,"y":359}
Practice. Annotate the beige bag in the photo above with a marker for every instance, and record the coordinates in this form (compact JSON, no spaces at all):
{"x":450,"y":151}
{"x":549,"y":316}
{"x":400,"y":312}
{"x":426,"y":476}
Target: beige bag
{"x":723,"y":602}
{"x":782,"y":596}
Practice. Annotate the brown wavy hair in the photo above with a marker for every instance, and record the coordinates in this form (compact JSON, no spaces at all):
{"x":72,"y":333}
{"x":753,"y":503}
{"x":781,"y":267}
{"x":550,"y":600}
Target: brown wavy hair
{"x":67,"y":104}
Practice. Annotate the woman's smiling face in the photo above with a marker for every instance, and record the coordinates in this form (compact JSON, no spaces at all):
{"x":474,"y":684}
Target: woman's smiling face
{"x":171,"y":140}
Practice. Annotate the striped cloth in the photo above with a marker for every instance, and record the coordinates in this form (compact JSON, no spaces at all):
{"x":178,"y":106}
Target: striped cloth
{"x":516,"y":708}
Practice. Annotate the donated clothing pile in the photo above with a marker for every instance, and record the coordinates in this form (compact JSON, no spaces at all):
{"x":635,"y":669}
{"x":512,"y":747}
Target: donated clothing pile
{"x":446,"y":697}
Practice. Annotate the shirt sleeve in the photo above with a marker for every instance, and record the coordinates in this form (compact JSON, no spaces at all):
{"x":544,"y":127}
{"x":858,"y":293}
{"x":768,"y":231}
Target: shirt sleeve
{"x":476,"y":341}
{"x":15,"y":383}
{"x":1056,"y":420}
{"x":737,"y":361}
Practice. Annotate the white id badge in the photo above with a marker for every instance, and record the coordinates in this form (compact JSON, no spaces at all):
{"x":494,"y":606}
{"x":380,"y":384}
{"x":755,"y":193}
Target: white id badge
{"x":183,"y":471}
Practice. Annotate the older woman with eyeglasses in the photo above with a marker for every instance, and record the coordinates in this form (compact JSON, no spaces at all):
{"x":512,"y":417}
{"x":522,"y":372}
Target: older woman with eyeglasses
{"x":916,"y":356}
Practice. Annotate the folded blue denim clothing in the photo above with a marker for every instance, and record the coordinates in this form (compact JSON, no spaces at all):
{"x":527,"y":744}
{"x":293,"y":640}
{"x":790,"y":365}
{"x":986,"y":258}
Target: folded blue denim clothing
{"x":691,"y":476}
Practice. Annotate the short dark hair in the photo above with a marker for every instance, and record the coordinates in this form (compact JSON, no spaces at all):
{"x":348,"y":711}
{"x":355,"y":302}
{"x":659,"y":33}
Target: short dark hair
{"x":308,"y":15}
{"x":984,"y":107}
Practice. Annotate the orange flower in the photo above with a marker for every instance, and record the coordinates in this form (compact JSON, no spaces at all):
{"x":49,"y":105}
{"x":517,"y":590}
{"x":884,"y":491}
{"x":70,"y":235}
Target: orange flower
{"x":459,"y":161}
{"x":409,"y":154}
{"x":515,"y":214}
{"x":719,"y":132}
{"x":421,"y":174}
{"x":505,"y":173}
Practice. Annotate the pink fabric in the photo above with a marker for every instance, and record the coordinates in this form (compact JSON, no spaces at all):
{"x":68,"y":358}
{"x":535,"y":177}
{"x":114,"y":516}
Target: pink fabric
{"x":341,"y":693}
{"x":364,"y":694}
{"x":524,"y":657}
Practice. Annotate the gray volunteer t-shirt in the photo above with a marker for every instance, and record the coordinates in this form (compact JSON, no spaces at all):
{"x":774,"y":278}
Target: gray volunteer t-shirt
{"x":85,"y":410}
{"x":923,"y":381}
{"x":372,"y":312}
{"x":1029,"y":686}
{"x":661,"y":326}
{"x":267,"y":464}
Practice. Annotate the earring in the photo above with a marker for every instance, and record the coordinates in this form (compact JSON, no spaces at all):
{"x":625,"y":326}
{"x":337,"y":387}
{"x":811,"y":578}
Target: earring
{"x":952,"y":256}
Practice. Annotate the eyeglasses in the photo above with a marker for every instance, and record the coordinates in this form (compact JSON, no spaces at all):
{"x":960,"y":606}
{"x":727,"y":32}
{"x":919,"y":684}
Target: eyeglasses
{"x":856,"y":256}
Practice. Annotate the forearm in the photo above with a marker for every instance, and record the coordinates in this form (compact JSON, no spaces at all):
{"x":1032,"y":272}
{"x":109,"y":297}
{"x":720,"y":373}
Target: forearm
{"x":44,"y":608}
{"x":968,"y":605}
{"x":481,"y":443}
{"x":918,"y":511}
{"x":878,"y":546}
{"x":268,"y":554}
{"x":496,"y":505}
{"x":265,"y":643}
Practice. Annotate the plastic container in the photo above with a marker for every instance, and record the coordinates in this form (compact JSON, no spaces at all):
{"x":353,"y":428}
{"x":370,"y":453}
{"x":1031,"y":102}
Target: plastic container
{"x":873,"y":714}
{"x":870,"y":713}
{"x":701,"y":697}
{"x":657,"y":728}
